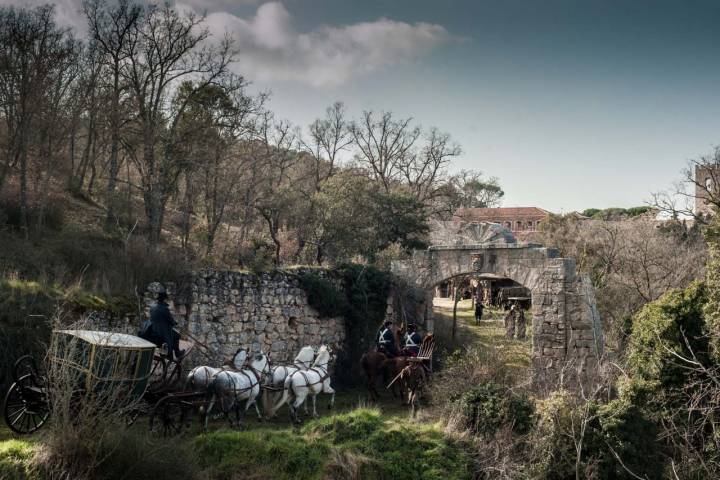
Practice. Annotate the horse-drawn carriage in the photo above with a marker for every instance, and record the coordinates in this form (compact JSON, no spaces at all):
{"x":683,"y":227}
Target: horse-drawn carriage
{"x":94,"y":361}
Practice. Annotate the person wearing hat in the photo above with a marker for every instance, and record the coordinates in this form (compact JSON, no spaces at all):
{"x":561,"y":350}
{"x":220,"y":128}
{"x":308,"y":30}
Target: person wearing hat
{"x":412,"y":341}
{"x":162,"y":323}
{"x":386,"y":340}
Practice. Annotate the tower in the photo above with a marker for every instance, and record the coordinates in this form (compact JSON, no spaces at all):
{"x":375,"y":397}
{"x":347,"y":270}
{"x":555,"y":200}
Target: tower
{"x":706,"y":181}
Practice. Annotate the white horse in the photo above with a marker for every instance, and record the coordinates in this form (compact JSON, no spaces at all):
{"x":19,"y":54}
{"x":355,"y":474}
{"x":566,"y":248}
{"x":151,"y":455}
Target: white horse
{"x":279,"y":373}
{"x":199,"y":378}
{"x":230,"y":387}
{"x":311,"y":382}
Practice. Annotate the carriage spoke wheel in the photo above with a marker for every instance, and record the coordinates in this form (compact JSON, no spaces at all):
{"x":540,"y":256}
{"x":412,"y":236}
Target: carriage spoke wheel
{"x":26,"y":406}
{"x":168,"y":418}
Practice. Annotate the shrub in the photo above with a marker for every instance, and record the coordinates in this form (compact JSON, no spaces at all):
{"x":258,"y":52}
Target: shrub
{"x":663,"y":327}
{"x":488,"y":406}
{"x":323,"y":295}
{"x":600,"y":433}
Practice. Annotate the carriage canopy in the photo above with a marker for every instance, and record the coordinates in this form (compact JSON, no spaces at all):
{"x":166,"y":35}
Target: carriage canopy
{"x":99,"y":358}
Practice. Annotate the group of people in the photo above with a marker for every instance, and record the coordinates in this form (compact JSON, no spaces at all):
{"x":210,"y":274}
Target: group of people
{"x":515,"y":323}
{"x":385,"y":340}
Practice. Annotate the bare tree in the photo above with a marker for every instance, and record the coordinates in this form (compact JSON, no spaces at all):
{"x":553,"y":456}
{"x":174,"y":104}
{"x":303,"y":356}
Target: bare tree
{"x":423,"y":172}
{"x":329,"y":136}
{"x":32,"y":47}
{"x":384,"y":145}
{"x":111,"y":30}
{"x":165,"y":49}
{"x":277,"y":156}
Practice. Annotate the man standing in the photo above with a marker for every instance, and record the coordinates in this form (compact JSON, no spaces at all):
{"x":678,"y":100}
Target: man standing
{"x":520,"y":326}
{"x":510,"y":322}
{"x":162,"y":323}
{"x":386,"y":340}
{"x":412,"y":341}
{"x":478,"y":312}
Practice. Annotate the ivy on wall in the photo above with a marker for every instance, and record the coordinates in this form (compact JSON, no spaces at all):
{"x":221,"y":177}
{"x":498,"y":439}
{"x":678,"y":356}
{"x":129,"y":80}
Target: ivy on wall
{"x":361,"y":300}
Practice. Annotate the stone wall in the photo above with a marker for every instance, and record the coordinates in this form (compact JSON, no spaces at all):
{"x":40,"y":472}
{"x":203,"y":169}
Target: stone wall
{"x":269,"y":311}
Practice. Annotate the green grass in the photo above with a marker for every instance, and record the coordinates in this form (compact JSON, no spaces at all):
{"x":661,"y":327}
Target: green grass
{"x":16,"y":456}
{"x":365,"y":441}
{"x":490,"y":334}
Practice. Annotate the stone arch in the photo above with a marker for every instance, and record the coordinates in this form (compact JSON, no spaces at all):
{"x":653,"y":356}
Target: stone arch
{"x":567,"y":332}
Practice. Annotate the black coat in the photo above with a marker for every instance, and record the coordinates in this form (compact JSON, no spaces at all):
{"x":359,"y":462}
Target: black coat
{"x":162,"y":323}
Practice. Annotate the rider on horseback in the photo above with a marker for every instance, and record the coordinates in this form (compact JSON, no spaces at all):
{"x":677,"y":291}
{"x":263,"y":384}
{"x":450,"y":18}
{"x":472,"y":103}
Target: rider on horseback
{"x":386,"y":340}
{"x":412,"y":341}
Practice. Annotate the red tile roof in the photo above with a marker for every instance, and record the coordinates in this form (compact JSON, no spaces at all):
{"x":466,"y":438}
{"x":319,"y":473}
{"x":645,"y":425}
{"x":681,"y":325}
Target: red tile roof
{"x":501,"y":214}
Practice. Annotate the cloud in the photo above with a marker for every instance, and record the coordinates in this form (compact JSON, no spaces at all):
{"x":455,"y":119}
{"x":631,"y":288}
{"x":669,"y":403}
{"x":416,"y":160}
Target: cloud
{"x":68,"y":13}
{"x":270,"y":49}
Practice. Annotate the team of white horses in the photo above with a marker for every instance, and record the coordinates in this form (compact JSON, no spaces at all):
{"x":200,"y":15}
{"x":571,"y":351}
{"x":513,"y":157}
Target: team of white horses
{"x":244,"y":378}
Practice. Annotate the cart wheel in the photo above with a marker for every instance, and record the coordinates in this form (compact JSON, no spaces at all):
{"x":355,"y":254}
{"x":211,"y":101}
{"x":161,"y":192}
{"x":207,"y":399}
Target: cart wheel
{"x":158,"y":373}
{"x":168,"y":417}
{"x":26,"y":405}
{"x":23,"y":366}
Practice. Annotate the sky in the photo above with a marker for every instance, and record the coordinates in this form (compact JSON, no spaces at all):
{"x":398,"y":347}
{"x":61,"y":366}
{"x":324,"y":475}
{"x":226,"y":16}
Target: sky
{"x":572,"y":104}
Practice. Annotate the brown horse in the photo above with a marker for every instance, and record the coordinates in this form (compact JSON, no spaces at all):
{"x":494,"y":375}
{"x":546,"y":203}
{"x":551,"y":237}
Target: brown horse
{"x":378,"y":365}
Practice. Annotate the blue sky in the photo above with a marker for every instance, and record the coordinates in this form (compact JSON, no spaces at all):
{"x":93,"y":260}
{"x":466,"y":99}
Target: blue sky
{"x":571,"y":104}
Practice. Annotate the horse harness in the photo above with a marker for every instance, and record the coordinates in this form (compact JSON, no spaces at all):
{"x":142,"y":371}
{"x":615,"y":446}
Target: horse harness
{"x":323,"y":376}
{"x":256,"y":374}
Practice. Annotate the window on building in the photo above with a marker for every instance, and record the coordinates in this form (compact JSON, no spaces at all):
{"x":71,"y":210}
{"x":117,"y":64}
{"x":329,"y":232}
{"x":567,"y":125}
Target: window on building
{"x":708,"y":184}
{"x":518,"y":225}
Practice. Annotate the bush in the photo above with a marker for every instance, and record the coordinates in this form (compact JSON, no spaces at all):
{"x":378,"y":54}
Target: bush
{"x":663,"y":327}
{"x":488,"y":407}
{"x":51,"y":217}
{"x":323,"y":295}
{"x":620,"y":427}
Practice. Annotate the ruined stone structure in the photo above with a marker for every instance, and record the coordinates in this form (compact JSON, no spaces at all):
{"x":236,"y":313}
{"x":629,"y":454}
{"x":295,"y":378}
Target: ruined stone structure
{"x":230,"y":310}
{"x":706,"y":182}
{"x":567,"y":332}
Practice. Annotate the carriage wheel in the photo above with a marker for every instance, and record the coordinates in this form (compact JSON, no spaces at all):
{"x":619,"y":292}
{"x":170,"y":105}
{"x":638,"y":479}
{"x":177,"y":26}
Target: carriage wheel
{"x":158,"y":374}
{"x":23,"y":366}
{"x":26,"y":405}
{"x":168,"y":417}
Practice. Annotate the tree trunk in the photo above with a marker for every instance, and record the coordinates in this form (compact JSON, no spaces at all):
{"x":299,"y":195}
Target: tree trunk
{"x":114,"y":165}
{"x":456,"y":298}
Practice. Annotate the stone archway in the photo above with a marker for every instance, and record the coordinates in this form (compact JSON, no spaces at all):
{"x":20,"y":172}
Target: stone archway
{"x":567,"y":332}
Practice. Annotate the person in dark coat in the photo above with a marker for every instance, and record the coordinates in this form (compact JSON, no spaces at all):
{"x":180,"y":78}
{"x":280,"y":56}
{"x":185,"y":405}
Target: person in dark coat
{"x":412,"y":341}
{"x":385,"y":340}
{"x":478,"y":312}
{"x":162,"y":323}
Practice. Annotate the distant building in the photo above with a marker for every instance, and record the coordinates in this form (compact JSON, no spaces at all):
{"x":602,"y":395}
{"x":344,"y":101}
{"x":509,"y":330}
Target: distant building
{"x":516,"y":219}
{"x":706,"y":178}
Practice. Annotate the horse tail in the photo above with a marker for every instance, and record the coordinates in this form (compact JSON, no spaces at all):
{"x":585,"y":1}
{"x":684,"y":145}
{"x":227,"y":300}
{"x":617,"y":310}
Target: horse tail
{"x":287,"y":385}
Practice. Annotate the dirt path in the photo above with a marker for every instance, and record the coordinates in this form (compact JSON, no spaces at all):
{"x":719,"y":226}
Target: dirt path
{"x":489,"y":334}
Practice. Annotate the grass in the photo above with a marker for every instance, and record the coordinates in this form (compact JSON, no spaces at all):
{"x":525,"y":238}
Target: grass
{"x":489,"y":335}
{"x":363,"y":443}
{"x":16,"y":456}
{"x":351,"y":441}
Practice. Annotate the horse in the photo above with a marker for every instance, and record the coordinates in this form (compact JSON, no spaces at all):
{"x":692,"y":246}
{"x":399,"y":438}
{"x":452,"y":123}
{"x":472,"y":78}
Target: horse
{"x":230,"y":387}
{"x":278,"y":373}
{"x":308,"y":382}
{"x":412,"y":379}
{"x":378,"y":365}
{"x":199,"y":378}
